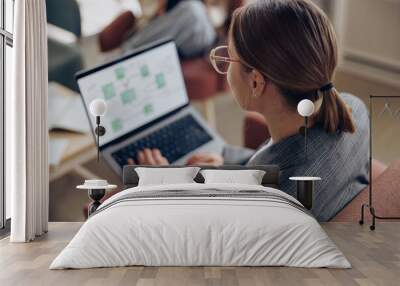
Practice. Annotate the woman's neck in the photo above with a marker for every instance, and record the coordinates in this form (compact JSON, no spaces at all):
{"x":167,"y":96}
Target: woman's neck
{"x":283,"y":125}
{"x":283,"y":121}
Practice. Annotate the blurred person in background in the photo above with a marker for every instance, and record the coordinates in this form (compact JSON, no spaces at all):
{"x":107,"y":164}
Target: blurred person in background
{"x":187,"y":22}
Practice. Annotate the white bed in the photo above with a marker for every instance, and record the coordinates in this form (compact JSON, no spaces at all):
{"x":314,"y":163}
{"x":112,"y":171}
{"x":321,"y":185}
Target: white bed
{"x":249,"y":225}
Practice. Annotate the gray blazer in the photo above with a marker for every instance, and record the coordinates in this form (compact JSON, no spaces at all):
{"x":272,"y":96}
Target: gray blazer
{"x":340,"y":159}
{"x":187,"y":24}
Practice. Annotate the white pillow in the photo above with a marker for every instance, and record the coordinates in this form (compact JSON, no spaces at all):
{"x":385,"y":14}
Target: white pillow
{"x":248,"y":177}
{"x":162,"y":176}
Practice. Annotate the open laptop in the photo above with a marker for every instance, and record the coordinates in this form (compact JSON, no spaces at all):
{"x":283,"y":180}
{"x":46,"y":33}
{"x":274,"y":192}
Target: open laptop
{"x":147,"y":106}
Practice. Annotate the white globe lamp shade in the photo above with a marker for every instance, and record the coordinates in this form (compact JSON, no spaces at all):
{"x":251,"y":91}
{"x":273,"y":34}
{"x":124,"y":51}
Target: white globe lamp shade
{"x":305,"y":108}
{"x":98,"y":107}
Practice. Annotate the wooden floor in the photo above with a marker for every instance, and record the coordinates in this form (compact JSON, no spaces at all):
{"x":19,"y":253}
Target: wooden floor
{"x":375,"y":257}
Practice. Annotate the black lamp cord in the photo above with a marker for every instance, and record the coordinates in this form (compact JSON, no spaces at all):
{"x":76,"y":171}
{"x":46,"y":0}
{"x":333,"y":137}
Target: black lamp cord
{"x":305,"y":135}
{"x":98,"y":137}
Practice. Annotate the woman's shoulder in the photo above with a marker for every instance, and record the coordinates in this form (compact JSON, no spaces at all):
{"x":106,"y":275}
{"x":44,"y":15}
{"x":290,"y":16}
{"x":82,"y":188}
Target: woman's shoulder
{"x":357,"y":106}
{"x":320,"y":139}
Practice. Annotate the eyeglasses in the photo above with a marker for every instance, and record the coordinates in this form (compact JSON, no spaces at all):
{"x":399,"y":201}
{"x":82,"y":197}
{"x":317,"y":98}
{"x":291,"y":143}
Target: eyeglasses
{"x":220,"y":59}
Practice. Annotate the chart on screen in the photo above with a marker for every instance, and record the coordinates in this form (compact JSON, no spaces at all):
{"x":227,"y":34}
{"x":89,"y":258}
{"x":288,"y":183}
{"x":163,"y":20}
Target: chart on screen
{"x":137,"y":90}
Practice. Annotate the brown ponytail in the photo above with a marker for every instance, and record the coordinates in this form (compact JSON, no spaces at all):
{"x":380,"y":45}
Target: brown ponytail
{"x":334,"y":115}
{"x":293,"y":44}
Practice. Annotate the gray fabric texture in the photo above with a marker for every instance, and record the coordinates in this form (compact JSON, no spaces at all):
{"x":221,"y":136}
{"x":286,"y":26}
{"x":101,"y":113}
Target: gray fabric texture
{"x":340,"y":159}
{"x":187,"y":24}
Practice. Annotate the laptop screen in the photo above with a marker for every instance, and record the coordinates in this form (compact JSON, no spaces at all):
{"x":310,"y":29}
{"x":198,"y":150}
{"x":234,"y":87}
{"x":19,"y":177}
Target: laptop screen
{"x":137,"y":89}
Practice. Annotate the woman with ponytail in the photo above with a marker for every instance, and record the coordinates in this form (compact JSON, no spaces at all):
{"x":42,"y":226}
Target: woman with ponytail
{"x":279,"y":53}
{"x":284,"y":51}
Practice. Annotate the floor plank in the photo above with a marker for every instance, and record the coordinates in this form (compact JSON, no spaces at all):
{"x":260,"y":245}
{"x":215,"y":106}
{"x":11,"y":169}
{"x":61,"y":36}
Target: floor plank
{"x":375,"y":257}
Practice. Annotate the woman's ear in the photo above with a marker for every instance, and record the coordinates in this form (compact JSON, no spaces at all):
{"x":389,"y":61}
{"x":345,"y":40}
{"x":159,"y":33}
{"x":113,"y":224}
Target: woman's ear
{"x":256,"y":83}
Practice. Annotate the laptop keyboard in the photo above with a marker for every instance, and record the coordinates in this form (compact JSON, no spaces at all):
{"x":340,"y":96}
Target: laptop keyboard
{"x":174,"y":141}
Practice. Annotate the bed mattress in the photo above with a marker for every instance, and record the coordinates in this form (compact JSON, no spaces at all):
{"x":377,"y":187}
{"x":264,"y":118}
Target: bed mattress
{"x":201,"y":225}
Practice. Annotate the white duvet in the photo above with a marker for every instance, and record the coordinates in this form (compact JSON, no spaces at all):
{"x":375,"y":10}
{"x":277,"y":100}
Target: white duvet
{"x":187,"y":231}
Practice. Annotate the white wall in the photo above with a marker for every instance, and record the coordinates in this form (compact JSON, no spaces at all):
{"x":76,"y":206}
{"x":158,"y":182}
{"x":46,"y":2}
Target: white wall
{"x":370,"y":38}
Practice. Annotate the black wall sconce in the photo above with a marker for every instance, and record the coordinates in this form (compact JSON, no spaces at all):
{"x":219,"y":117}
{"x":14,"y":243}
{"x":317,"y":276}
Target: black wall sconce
{"x":305,"y":108}
{"x":98,"y":108}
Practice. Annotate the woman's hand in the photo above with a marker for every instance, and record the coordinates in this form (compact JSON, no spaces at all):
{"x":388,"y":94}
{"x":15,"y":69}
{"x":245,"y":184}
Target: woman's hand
{"x":154,"y":157}
{"x":206,"y":159}
{"x":149,"y":157}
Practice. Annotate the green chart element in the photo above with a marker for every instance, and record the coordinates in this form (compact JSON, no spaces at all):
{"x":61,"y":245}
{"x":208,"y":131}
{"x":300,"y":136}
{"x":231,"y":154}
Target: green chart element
{"x":128,"y":96}
{"x":160,"y":80}
{"x":120,"y":73}
{"x":116,"y":125}
{"x":108,"y":91}
{"x":148,"y":109}
{"x":144,"y":71}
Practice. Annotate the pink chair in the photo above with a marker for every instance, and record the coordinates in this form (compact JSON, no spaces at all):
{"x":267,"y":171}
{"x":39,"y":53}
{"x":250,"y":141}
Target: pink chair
{"x":386,"y":180}
{"x":202,"y":81}
{"x":203,"y":84}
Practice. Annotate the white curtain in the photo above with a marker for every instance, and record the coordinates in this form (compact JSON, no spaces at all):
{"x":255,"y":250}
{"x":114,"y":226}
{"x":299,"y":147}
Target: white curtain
{"x":26,"y":124}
